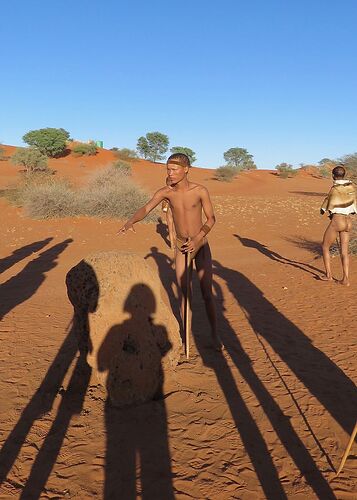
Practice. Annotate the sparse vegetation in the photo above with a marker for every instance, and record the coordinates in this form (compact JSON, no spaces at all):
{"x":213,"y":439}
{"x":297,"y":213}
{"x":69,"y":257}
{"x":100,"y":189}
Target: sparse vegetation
{"x":110,"y":193}
{"x":30,"y":158}
{"x":82,"y":149}
{"x":153,"y":146}
{"x":350,"y":163}
{"x":49,"y":141}
{"x":125,"y":153}
{"x":285,"y":170}
{"x":187,"y":151}
{"x":123,"y":166}
{"x":226,"y":173}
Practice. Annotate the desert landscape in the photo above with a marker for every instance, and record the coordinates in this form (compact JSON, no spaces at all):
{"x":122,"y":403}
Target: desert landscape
{"x":268,"y":417}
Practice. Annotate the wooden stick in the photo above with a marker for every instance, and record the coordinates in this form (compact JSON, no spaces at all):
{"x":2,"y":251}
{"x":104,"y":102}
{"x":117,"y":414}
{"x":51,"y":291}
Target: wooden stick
{"x":187,"y":303}
{"x":349,"y":446}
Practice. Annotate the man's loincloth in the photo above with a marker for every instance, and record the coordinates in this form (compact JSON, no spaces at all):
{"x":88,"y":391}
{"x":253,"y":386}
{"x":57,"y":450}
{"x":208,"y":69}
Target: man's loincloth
{"x":181,"y":241}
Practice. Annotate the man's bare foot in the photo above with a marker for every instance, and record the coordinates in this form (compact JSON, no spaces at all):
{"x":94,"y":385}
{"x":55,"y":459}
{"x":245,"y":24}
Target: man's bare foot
{"x":326,"y":278}
{"x":344,"y":282}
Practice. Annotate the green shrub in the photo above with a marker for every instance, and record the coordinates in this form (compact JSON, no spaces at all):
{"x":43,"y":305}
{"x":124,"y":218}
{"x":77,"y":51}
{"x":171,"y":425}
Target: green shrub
{"x":30,"y":158}
{"x":49,"y":141}
{"x":226,"y":173}
{"x":123,"y":166}
{"x":83,"y":149}
{"x":285,"y":170}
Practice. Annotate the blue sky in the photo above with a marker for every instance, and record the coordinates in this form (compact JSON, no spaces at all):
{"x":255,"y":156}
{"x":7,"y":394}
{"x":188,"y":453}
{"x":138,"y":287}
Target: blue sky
{"x":276,"y":77}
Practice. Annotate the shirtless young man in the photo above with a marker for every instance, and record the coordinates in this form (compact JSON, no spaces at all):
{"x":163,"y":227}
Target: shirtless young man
{"x":187,"y":200}
{"x":341,"y":204}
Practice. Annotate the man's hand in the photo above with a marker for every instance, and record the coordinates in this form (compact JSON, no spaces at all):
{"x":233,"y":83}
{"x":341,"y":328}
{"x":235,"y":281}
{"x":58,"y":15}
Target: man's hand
{"x":127,"y":227}
{"x":191,"y":245}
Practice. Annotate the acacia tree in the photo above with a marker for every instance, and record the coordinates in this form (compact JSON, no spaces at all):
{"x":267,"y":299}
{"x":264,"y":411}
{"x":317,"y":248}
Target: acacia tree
{"x":153,"y":146}
{"x":49,"y":141}
{"x":239,"y":158}
{"x":30,"y":158}
{"x":186,"y":151}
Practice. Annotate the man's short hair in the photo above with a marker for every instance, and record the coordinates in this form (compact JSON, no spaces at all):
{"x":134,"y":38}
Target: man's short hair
{"x":339,"y":172}
{"x":179,"y":159}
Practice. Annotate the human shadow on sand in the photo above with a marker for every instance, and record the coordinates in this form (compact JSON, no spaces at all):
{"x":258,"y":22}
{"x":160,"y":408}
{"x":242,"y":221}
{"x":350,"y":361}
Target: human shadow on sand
{"x":21,"y":287}
{"x":137,"y":453}
{"x":316,"y":371}
{"x":42,"y":402}
{"x":252,"y":439}
{"x":168,"y":279}
{"x":263,"y":249}
{"x":21,"y":253}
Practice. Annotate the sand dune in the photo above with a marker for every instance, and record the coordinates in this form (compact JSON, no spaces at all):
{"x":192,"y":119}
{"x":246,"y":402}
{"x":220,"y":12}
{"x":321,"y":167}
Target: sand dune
{"x":269,"y":417}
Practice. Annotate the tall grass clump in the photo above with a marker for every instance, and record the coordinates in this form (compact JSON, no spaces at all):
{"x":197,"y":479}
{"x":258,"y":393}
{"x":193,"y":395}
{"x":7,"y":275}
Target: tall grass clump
{"x":111,"y":193}
{"x":123,"y":167}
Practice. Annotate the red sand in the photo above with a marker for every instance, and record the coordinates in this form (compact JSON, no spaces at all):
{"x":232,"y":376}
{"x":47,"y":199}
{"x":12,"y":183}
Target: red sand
{"x":267,"y":418}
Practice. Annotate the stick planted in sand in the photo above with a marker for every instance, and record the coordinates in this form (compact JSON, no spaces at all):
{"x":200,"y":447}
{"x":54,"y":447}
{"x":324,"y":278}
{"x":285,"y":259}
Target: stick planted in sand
{"x":187,"y":303}
{"x":349,"y":446}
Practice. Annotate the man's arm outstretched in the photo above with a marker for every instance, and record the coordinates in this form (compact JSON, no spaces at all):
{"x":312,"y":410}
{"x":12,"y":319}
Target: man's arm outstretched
{"x":144,"y":211}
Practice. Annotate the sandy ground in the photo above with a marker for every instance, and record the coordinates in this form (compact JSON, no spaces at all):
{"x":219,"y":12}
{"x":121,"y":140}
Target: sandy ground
{"x":268,"y":418}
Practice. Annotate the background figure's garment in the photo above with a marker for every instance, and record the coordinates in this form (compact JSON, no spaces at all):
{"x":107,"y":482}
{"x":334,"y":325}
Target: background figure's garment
{"x":341,"y":198}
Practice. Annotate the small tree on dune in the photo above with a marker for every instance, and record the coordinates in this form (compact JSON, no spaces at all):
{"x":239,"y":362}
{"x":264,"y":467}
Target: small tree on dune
{"x":49,"y":141}
{"x":30,"y":158}
{"x":153,"y":146}
{"x":285,"y":170}
{"x":186,"y":151}
{"x":239,"y":158}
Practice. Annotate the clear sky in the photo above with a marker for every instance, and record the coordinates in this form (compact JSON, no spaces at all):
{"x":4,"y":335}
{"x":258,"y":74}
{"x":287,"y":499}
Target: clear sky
{"x":277,"y":77}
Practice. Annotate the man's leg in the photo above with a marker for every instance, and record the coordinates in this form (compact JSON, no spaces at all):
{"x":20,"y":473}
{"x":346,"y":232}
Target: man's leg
{"x":204,"y":272}
{"x":329,"y":237}
{"x":344,"y":240}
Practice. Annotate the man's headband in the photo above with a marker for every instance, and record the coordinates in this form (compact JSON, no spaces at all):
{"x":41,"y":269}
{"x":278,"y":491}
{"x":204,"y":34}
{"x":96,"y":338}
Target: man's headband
{"x":177,"y":162}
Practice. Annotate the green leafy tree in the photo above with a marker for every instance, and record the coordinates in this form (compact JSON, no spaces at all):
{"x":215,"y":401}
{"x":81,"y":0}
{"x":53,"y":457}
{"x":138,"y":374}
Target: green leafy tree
{"x":186,"y":151}
{"x":30,"y":158}
{"x":49,"y":141}
{"x":239,"y":158}
{"x":153,"y":146}
{"x":285,"y":170}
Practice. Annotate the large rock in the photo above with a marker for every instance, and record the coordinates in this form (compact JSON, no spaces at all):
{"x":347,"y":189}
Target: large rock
{"x":124,"y":327}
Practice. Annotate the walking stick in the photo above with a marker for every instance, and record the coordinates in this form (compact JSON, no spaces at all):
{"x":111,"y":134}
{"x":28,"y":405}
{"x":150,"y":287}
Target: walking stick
{"x":349,"y":446}
{"x":187,"y":303}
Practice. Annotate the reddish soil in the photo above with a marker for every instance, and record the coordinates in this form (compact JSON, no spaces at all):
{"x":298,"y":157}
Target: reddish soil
{"x":268,"y":418}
